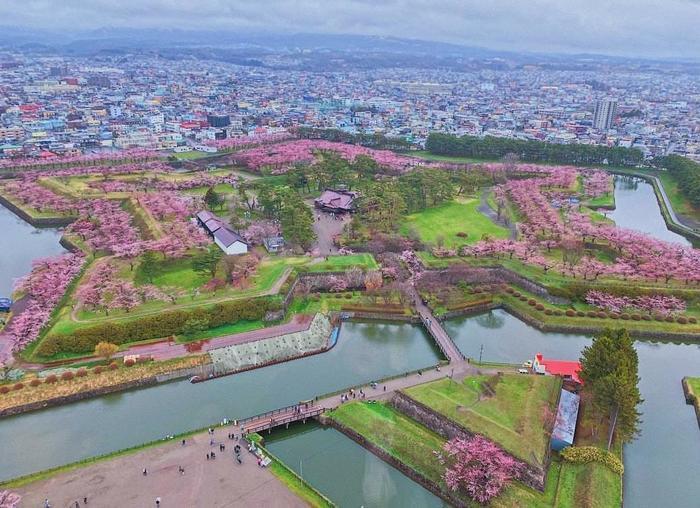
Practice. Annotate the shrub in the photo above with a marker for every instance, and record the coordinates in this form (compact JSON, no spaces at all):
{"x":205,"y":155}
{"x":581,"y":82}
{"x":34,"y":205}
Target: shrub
{"x":163,"y":324}
{"x":692,"y":319}
{"x":682,"y":320}
{"x":548,"y":312}
{"x":4,"y":389}
{"x":658,"y":317}
{"x":67,"y":375}
{"x":510,"y":290}
{"x":532,"y":302}
{"x":592,"y":313}
{"x":34,"y":382}
{"x":636,"y":317}
{"x":129,"y":362}
{"x":558,"y":312}
{"x":81,"y":372}
{"x":625,"y":316}
{"x":113,"y":366}
{"x":580,"y":313}
{"x":670,"y":319}
{"x":602,"y":315}
{"x":570,"y":313}
{"x":18,"y":386}
{"x":516,"y":294}
{"x":97,"y":370}
{"x":523,"y":298}
{"x":348,"y":296}
{"x":646,"y":317}
{"x":51,"y":379}
{"x":539,"y":306}
{"x":588,"y":454}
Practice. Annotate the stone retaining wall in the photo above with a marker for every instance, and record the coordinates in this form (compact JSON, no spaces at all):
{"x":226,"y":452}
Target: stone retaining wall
{"x":532,"y":476}
{"x":37,"y":222}
{"x":414,"y":475}
{"x":691,"y":398}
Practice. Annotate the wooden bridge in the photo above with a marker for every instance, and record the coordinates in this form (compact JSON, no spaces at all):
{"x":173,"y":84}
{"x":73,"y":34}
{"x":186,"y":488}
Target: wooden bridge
{"x":436,"y":331}
{"x":277,"y":417}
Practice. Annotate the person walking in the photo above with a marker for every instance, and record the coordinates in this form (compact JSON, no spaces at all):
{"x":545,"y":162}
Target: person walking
{"x":158,"y":501}
{"x":145,"y":473}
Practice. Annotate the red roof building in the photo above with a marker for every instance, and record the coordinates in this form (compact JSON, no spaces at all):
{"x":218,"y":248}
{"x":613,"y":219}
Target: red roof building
{"x":564,"y":368}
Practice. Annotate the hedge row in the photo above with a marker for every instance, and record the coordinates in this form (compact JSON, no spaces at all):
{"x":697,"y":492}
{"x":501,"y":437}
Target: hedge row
{"x":578,"y":290}
{"x":158,"y":325}
{"x":587,"y":454}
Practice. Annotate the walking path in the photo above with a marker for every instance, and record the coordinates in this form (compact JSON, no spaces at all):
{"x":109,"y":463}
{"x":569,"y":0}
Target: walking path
{"x":206,"y":483}
{"x":166,"y":350}
{"x":435,"y":329}
{"x":491,"y":214}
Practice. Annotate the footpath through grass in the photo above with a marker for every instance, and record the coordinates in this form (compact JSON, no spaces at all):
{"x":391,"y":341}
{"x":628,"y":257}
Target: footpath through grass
{"x":507,"y":409}
{"x":449,"y":219}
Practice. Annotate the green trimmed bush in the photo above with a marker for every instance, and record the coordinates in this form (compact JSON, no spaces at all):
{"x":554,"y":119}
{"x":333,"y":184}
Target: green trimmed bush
{"x":588,"y":454}
{"x":4,"y":389}
{"x":548,"y":312}
{"x":580,"y":313}
{"x":602,"y":315}
{"x":625,"y":316}
{"x":692,"y":319}
{"x":682,"y":320}
{"x":34,"y":382}
{"x":67,"y":375}
{"x":570,"y":313}
{"x":51,"y":379}
{"x":592,"y":313}
{"x":163,"y":324}
{"x":81,"y":372}
{"x":539,"y":306}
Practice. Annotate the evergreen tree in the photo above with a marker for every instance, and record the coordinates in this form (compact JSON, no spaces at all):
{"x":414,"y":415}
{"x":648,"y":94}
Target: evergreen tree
{"x":206,"y":262}
{"x":149,"y":265}
{"x":213,"y":199}
{"x":609,"y":370}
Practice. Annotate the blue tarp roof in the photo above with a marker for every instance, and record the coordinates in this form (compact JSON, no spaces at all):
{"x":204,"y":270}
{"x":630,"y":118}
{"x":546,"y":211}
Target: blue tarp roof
{"x":567,"y":413}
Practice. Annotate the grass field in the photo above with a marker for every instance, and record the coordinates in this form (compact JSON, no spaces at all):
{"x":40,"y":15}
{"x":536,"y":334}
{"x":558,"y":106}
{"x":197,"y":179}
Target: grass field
{"x":396,"y":434}
{"x":449,"y":219}
{"x":568,"y":485}
{"x":424,"y":154}
{"x":679,"y":202}
{"x":338,"y":263}
{"x":512,"y":415}
{"x":694,"y":383}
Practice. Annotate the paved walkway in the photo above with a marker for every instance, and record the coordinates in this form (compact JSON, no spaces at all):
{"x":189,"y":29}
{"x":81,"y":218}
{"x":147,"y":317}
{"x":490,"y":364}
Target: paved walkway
{"x":166,"y":350}
{"x":206,"y":483}
{"x":326,"y":229}
{"x":491,"y":214}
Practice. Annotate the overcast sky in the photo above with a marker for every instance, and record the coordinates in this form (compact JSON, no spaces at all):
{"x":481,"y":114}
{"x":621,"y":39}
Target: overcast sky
{"x":625,"y":27}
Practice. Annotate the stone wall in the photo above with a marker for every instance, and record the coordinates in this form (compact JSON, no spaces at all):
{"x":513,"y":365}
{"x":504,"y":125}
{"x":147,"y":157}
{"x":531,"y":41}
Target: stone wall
{"x":532,"y":476}
{"x":37,"y":222}
{"x":414,"y":475}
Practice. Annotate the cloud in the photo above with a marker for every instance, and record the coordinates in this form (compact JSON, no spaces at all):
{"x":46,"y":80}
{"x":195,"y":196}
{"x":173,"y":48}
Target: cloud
{"x":665,"y":28}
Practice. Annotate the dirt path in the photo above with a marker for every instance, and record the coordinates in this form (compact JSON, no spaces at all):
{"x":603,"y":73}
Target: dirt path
{"x":326,"y":229}
{"x":206,"y":483}
{"x":491,"y":214}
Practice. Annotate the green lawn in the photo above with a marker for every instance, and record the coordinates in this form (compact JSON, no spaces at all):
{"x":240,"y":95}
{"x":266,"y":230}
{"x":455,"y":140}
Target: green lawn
{"x":607,"y":200}
{"x":219,"y":331}
{"x":398,"y":435}
{"x":175,"y":273}
{"x":449,"y":219}
{"x":194,"y":154}
{"x":512,"y":416}
{"x":679,"y":202}
{"x":339,"y":263}
{"x":694,"y":383}
{"x":424,"y":154}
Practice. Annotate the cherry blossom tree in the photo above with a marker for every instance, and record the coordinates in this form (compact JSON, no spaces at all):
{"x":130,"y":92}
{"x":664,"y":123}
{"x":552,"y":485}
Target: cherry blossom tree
{"x":478,"y":467}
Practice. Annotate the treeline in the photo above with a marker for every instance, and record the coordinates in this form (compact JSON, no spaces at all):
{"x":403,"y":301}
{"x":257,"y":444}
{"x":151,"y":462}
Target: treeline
{"x":686,"y":173}
{"x":163,"y":324}
{"x":377,"y":141}
{"x":491,"y":147}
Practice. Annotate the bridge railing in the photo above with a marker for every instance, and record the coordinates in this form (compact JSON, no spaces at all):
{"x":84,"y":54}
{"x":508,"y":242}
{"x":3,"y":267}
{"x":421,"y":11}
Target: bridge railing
{"x":282,"y":421}
{"x":269,"y":414}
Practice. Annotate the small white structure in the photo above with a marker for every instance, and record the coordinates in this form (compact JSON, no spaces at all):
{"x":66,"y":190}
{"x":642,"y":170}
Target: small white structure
{"x":230,"y":242}
{"x":226,"y":238}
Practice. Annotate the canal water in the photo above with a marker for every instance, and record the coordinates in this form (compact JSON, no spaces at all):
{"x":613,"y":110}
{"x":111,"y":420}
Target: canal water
{"x":21,"y":244}
{"x":344,"y":471}
{"x":636,"y":208}
{"x":662,"y":465}
{"x":365,"y":351}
